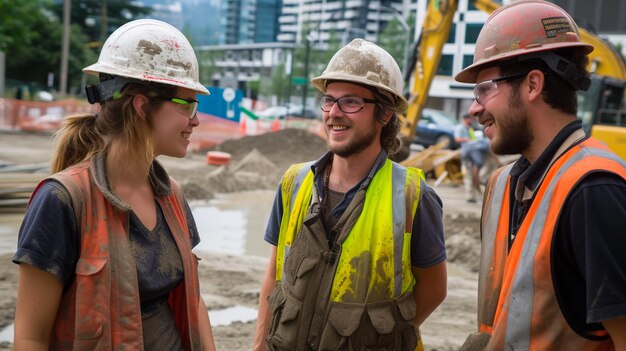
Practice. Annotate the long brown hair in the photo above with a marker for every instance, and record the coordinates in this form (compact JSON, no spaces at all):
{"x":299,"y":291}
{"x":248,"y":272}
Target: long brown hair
{"x":390,"y":135}
{"x":85,"y":135}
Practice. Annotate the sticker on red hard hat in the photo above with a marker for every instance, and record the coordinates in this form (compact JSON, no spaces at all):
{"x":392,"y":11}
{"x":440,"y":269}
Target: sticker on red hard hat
{"x":556,"y":25}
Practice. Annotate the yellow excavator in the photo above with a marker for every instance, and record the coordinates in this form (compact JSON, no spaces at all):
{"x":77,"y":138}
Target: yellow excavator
{"x":601,"y":108}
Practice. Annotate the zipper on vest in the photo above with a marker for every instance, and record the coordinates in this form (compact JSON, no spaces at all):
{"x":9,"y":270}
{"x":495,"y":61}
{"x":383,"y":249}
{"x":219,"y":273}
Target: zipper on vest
{"x":331,"y":256}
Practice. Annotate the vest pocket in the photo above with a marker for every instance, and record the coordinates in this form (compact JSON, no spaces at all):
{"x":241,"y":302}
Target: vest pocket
{"x":385,"y":325}
{"x":297,"y":269}
{"x":408,"y":309}
{"x":284,"y":325}
{"x":90,"y":296}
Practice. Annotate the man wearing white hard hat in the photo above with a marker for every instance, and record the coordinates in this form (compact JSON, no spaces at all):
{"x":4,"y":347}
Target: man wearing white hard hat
{"x":358,"y":256}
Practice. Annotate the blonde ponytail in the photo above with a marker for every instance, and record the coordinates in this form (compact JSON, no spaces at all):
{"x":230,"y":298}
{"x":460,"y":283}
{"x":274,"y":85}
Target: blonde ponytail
{"x":76,"y":141}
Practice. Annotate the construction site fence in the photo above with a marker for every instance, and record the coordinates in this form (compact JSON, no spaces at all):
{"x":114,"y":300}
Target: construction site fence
{"x":26,"y":115}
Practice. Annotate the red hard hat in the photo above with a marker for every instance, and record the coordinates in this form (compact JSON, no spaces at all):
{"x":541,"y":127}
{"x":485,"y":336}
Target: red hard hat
{"x":519,"y":28}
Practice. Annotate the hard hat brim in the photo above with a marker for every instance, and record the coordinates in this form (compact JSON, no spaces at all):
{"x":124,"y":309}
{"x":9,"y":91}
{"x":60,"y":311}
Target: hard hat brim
{"x":98,"y":68}
{"x":320,"y":84}
{"x":470,"y":73}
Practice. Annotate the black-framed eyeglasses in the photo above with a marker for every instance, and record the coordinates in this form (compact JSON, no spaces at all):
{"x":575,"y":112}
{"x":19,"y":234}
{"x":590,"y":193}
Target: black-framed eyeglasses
{"x":189,"y":107}
{"x":347,"y":104}
{"x":485,"y":91}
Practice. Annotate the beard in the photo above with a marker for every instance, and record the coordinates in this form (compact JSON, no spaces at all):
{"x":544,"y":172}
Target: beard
{"x":515,"y":134}
{"x":358,"y":142}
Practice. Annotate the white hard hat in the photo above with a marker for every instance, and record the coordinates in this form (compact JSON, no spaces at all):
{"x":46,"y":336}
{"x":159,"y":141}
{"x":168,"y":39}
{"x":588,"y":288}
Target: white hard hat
{"x":364,"y":62}
{"x":149,"y":50}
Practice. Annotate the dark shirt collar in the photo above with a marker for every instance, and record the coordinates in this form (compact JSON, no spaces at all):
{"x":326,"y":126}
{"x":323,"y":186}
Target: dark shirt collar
{"x":318,"y":170}
{"x":531,"y":174}
{"x":318,"y":166}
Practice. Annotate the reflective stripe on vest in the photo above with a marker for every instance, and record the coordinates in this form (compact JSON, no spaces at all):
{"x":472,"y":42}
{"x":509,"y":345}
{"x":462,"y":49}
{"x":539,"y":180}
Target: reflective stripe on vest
{"x":532,"y":318}
{"x":381,"y":233}
{"x":101,"y":309}
{"x":493,"y":251}
{"x":292,"y":219}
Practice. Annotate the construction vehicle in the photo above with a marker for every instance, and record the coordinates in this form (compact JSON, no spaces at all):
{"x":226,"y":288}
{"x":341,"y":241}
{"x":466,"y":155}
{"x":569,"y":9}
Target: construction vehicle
{"x":601,"y":108}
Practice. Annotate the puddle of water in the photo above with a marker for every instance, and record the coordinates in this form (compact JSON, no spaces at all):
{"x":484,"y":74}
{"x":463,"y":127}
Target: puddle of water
{"x":234,"y":223}
{"x":9,"y":226}
{"x":221,"y":317}
{"x":6,"y":334}
{"x":233,"y":314}
{"x":230,"y":223}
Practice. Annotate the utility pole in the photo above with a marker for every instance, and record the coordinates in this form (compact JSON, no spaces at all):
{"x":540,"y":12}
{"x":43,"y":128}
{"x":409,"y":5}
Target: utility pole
{"x":65,"y":46}
{"x":104,"y":22}
{"x":307,"y":52}
{"x":407,"y":35}
{"x":289,"y":73}
{"x":2,"y":73}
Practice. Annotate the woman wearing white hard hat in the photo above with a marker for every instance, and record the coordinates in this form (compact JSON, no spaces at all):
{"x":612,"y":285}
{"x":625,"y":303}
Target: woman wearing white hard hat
{"x":104,"y":251}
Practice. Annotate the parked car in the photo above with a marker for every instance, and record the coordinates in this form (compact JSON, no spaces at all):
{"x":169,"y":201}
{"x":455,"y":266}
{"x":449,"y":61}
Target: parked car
{"x":282,"y":112}
{"x":435,"y":126}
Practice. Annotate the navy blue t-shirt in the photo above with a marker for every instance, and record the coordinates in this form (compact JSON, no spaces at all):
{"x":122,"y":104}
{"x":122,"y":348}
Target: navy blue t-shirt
{"x":49,"y":240}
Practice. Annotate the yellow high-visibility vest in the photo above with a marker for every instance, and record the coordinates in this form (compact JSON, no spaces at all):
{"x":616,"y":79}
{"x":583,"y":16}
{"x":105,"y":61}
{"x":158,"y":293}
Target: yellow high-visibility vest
{"x":375,"y":259}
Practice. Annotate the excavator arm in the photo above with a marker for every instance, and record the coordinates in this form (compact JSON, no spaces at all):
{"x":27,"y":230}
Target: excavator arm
{"x":435,"y":31}
{"x":437,"y":25}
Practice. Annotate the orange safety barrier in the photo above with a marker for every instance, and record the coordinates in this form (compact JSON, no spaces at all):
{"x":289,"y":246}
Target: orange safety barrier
{"x":40,"y":115}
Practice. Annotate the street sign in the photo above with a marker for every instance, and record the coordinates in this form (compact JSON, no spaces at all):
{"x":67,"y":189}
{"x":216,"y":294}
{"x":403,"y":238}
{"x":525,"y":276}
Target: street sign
{"x":228,"y":94}
{"x":299,"y":81}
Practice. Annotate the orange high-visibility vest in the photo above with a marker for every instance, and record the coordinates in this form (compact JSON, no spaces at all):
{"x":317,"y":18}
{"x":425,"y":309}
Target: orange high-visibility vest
{"x":517,"y":302}
{"x":101,"y":309}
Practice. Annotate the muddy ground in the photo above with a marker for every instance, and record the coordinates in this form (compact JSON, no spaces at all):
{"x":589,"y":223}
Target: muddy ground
{"x":257,"y":163}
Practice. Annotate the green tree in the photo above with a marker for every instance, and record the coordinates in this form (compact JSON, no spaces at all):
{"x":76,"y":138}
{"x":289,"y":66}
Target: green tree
{"x":206,"y":63}
{"x":253,"y":87}
{"x":279,"y":83}
{"x":17,"y":22}
{"x":300,"y":53}
{"x":99,"y":18}
{"x":32,"y":43}
{"x":392,"y":38}
{"x":320,"y":56}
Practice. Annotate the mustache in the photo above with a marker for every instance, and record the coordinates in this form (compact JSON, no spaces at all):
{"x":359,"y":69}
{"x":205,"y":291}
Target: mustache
{"x":338,"y":120}
{"x":484,"y":117}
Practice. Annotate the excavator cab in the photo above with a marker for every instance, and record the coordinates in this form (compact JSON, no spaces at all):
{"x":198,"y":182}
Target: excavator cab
{"x":602,"y":110}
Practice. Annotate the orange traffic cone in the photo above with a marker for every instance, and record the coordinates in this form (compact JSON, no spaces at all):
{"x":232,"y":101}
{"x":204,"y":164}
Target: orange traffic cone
{"x":276,"y":125}
{"x":242,"y":125}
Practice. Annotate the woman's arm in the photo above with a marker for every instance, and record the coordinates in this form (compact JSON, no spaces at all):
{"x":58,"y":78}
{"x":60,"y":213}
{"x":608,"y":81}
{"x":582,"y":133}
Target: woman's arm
{"x":38,"y":298}
{"x":205,"y":327}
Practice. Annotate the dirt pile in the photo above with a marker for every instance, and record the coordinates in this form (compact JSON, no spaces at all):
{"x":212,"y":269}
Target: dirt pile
{"x":257,"y":162}
{"x":282,"y":148}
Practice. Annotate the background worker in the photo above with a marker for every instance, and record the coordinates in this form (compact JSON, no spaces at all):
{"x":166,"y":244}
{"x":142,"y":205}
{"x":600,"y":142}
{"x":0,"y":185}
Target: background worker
{"x":553,"y":268}
{"x":474,"y":150}
{"x":105,"y":247}
{"x":358,"y":255}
